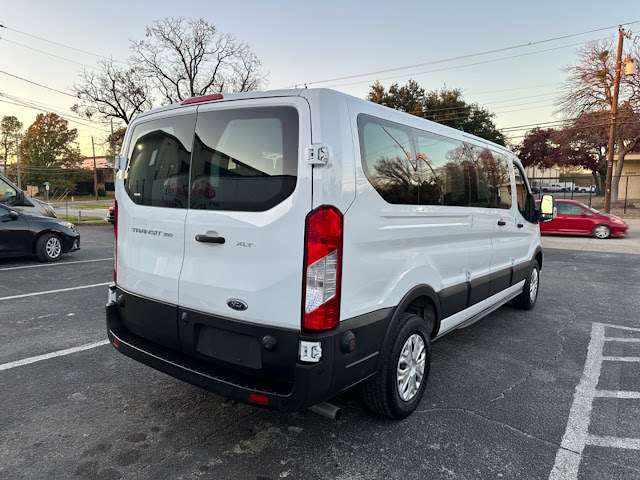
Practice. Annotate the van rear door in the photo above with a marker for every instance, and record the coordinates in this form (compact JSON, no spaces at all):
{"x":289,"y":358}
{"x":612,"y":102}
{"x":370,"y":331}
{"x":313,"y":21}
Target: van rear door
{"x":250,"y":192}
{"x":152,"y":211}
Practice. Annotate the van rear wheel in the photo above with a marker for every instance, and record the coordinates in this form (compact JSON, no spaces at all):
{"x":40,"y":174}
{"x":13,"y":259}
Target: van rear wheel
{"x":396,"y":389}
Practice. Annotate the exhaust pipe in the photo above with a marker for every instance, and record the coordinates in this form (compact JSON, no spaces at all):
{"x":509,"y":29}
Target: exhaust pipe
{"x":328,"y":410}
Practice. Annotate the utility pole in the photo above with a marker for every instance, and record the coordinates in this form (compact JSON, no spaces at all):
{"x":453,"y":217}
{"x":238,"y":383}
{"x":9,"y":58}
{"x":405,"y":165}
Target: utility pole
{"x":18,"y":160}
{"x":612,"y":128}
{"x":95,"y":171}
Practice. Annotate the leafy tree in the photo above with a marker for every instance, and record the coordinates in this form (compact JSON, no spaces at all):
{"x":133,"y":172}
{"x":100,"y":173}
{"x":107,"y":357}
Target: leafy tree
{"x":538,"y":148}
{"x":9,"y":128}
{"x":190,"y":57}
{"x":114,"y":92}
{"x":48,"y":149}
{"x":589,"y":89}
{"x":443,"y":106}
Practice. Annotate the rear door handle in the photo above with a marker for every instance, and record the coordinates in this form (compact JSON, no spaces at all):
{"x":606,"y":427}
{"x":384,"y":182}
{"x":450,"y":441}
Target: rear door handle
{"x":502,"y":223}
{"x":520,"y":225}
{"x":207,"y":239}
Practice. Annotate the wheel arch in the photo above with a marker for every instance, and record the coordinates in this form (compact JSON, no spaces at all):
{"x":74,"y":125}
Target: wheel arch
{"x":415,"y":301}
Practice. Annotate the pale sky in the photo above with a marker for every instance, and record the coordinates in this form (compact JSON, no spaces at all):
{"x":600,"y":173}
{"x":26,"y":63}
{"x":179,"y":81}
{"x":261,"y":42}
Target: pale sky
{"x":304,"y":42}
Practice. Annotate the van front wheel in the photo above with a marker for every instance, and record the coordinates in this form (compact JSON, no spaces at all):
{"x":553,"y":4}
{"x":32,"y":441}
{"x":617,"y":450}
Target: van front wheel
{"x":396,"y":389}
{"x":527,"y":299}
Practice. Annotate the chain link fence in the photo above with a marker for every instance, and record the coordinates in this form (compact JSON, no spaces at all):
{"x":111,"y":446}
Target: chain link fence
{"x":578,"y":188}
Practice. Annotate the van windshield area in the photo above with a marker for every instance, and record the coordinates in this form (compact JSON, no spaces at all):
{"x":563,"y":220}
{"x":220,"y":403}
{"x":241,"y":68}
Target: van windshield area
{"x":244,"y":159}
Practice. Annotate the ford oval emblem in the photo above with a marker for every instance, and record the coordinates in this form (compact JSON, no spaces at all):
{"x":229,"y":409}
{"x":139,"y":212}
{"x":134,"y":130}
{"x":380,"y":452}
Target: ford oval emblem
{"x":237,"y":304}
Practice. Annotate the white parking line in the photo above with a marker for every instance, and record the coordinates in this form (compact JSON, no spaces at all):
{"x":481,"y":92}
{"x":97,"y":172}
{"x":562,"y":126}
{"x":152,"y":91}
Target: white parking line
{"x":46,"y":356}
{"x":577,"y":436}
{"x":56,"y":263}
{"x":24,"y":295}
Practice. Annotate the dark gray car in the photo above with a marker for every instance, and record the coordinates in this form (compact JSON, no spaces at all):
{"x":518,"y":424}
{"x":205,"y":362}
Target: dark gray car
{"x":15,"y":198}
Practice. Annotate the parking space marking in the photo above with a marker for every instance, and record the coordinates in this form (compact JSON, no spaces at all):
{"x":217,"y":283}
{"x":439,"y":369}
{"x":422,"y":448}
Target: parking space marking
{"x":55,"y":264}
{"x":577,"y":436}
{"x":47,"y":356}
{"x":24,"y":295}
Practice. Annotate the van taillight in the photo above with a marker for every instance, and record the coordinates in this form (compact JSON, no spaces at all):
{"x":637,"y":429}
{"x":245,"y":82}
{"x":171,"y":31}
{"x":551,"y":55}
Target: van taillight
{"x":322,"y":269}
{"x":115,"y":233}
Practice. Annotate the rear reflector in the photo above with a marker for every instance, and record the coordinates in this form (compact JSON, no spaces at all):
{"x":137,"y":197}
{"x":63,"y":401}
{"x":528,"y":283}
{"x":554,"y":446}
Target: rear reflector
{"x":323,"y":265}
{"x":204,"y":98}
{"x":254,"y":397}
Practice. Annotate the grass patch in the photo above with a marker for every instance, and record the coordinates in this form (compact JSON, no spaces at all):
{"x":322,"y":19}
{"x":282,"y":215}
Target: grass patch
{"x":86,"y":220}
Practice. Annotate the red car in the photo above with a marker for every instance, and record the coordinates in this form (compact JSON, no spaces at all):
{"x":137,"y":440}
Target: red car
{"x":575,"y":218}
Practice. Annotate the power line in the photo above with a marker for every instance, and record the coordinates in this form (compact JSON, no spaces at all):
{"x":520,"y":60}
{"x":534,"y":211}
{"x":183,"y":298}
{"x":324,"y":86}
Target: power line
{"x":461,"y":66}
{"x":50,"y":54}
{"x":38,"y":84}
{"x":477,"y":54}
{"x":57,"y":43}
{"x":25,"y":105}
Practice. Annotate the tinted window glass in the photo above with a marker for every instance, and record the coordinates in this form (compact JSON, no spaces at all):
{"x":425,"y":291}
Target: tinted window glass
{"x":493,"y":180}
{"x":244,"y":159}
{"x":569,"y":209}
{"x":158,"y":170}
{"x":387,"y":160}
{"x":521,"y":190}
{"x":7,"y":193}
{"x":443,"y":167}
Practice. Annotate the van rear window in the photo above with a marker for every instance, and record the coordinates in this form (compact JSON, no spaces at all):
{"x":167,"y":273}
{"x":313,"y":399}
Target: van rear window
{"x":244,"y":159}
{"x":158,"y":169}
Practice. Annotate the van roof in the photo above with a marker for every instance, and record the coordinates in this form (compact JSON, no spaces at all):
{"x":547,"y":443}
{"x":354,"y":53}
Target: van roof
{"x":310,"y":92}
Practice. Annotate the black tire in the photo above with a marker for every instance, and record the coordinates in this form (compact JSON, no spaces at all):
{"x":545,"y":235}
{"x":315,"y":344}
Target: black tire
{"x":601,"y":231}
{"x":527,"y":299}
{"x":381,"y":392}
{"x":49,"y":247}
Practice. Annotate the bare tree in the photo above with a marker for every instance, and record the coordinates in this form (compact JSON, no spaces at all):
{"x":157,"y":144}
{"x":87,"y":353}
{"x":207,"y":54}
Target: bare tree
{"x":190,"y":57}
{"x":114,"y":92}
{"x":589,"y":88}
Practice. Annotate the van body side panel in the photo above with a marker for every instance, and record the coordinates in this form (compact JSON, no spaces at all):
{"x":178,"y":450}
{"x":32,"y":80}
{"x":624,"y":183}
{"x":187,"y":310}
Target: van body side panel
{"x":333,"y":183}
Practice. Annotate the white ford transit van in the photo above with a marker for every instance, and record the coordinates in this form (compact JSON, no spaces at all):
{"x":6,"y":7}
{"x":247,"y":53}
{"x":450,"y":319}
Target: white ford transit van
{"x":278,"y":248}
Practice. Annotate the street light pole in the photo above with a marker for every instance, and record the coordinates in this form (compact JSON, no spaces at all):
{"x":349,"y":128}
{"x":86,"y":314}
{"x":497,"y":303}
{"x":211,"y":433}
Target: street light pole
{"x":612,"y":128}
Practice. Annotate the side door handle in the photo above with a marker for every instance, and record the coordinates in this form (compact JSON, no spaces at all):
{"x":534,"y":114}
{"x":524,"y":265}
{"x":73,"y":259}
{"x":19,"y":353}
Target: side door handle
{"x":502,"y":223}
{"x":520,"y":225}
{"x":207,"y":239}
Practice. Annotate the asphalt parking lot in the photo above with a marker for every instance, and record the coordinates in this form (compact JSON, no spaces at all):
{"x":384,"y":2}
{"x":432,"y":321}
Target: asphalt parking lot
{"x":551,"y":393}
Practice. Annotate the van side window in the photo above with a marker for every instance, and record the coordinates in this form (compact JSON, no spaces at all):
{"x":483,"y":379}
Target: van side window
{"x":443,"y":170}
{"x":521,"y":190}
{"x":244,"y":159}
{"x":387,"y":160}
{"x":494,"y":181}
{"x":158,"y":170}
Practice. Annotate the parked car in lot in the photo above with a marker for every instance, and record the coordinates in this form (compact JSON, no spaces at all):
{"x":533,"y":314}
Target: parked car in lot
{"x":585,"y":189}
{"x":23,"y":233}
{"x":111,"y":216}
{"x":15,"y":198}
{"x":575,"y":218}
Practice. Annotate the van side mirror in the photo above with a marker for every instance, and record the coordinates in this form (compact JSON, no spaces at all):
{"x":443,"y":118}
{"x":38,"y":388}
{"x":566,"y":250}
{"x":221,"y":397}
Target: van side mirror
{"x":547,"y":209}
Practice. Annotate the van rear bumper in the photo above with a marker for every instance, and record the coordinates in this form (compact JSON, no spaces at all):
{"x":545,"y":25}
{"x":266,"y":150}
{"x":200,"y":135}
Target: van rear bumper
{"x":306,"y":384}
